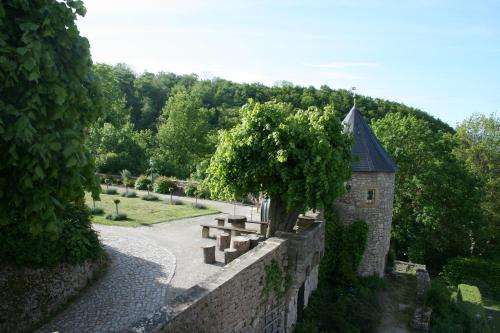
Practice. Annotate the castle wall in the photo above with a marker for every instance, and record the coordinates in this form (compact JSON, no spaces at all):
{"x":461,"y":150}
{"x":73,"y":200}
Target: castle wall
{"x":232,"y":299}
{"x":305,"y":251}
{"x":377,"y":214}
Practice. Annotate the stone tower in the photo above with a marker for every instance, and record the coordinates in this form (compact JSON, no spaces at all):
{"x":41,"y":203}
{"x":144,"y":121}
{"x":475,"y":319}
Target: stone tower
{"x":370,"y":193}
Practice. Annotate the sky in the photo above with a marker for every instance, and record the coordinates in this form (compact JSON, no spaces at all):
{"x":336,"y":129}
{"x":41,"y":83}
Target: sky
{"x":441,"y":56}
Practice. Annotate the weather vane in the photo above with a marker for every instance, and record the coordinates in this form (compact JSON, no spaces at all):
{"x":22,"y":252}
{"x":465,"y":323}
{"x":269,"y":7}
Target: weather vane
{"x":354,"y":94}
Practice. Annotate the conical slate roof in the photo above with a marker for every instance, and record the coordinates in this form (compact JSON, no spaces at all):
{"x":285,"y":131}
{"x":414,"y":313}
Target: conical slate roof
{"x":368,"y":155}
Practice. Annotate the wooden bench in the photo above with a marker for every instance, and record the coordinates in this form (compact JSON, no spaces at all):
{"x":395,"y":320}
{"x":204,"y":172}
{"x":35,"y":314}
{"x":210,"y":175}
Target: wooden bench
{"x":206,"y":229}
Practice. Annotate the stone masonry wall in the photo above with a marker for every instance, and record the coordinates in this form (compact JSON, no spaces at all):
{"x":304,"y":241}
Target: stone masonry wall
{"x":378,"y":216}
{"x":28,"y":295}
{"x":232,"y":300}
{"x":305,"y":251}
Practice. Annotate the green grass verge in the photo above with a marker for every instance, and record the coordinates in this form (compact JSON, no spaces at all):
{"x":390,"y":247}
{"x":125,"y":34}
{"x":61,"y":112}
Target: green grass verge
{"x":492,"y":308}
{"x":141,"y":212}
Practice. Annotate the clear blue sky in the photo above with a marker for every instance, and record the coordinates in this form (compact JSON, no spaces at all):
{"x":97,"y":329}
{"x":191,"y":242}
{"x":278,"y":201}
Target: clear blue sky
{"x":440,"y":56}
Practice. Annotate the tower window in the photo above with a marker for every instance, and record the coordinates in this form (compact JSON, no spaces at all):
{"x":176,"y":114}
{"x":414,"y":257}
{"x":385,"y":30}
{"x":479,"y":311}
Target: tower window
{"x":370,"y":196}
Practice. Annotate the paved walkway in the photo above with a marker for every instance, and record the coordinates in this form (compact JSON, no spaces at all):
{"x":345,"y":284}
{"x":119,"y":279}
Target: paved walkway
{"x":151,"y":265}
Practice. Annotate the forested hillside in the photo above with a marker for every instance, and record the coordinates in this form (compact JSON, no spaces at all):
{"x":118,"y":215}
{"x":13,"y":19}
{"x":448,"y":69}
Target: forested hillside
{"x":174,"y":119}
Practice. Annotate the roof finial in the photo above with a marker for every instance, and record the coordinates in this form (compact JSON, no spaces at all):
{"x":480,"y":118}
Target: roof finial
{"x":354,"y":95}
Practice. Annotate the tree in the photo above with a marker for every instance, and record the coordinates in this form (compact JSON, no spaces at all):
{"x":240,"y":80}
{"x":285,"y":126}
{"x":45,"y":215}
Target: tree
{"x":48,"y":98}
{"x":115,"y":149}
{"x":126,"y":179}
{"x":478,"y":145}
{"x":436,"y":208}
{"x":182,"y":138}
{"x":114,"y":110}
{"x":300,"y":159}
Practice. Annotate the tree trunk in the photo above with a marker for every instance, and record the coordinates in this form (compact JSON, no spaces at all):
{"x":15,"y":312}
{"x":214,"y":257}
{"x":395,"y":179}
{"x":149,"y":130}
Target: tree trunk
{"x":281,"y":219}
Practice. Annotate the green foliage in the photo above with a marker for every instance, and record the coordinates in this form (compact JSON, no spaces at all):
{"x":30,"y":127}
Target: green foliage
{"x":177,"y":202}
{"x":199,"y":206}
{"x":469,"y":294}
{"x":48,"y":98}
{"x":96,"y":211}
{"x":344,"y":248}
{"x":469,"y":299}
{"x":77,"y":241}
{"x":115,"y":149}
{"x":299,"y":158}
{"x":182,"y":137}
{"x":276,"y":281}
{"x":343,"y":301}
{"x":113,"y":106}
{"x":165,"y":184}
{"x":126,"y":177}
{"x":191,"y":189}
{"x":478,"y":145}
{"x":110,"y":191}
{"x":446,"y":315}
{"x":475,"y":271}
{"x":117,"y":217}
{"x":343,"y":310}
{"x":437,"y":202}
{"x":149,"y":197}
{"x":129,"y":194}
{"x":142,"y":182}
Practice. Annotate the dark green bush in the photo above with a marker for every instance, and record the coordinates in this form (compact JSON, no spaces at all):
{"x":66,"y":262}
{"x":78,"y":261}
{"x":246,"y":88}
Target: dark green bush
{"x":190,"y":189}
{"x":446,"y":315}
{"x":343,"y":302}
{"x":164,"y":185}
{"x":76,"y":242}
{"x":149,"y":197}
{"x":204,"y":191}
{"x":485,"y":274}
{"x":199,"y":206}
{"x":129,"y":194}
{"x":96,"y":211}
{"x":176,"y":202}
{"x":116,"y":217}
{"x":350,"y":309}
{"x":110,"y":191}
{"x":470,"y":300}
{"x":344,"y":247}
{"x":142,"y":183}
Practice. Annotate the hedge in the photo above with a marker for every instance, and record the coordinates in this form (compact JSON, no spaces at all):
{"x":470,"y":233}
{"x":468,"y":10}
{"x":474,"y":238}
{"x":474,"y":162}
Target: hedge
{"x":142,"y":183}
{"x":469,"y":299}
{"x":164,"y":184}
{"x":482,"y":273}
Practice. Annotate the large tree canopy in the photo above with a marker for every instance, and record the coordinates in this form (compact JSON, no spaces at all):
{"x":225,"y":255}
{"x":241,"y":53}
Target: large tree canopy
{"x":436,"y":208}
{"x":48,"y":97}
{"x":182,"y":136}
{"x":300,"y":159}
{"x":478,"y":145}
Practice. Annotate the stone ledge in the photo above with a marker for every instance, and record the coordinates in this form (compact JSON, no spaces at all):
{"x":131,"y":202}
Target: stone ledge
{"x":31,"y":295}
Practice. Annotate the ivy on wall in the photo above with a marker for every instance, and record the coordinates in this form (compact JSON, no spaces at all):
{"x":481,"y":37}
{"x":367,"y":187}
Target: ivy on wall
{"x":277,"y":281}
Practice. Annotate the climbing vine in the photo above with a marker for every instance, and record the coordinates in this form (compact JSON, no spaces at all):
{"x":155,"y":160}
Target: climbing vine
{"x":276,"y":280}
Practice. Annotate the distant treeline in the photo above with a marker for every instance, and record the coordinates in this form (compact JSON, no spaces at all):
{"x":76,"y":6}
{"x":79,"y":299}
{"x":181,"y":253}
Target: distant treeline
{"x":173,"y":119}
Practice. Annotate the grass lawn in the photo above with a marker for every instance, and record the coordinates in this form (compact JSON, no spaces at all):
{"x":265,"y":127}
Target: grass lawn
{"x":140,"y":212}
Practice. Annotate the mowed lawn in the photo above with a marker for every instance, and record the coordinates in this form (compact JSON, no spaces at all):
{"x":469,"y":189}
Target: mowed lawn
{"x":141,"y":212}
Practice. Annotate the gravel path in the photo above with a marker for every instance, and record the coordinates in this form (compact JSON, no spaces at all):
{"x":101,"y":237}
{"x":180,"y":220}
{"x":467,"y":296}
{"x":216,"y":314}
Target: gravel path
{"x":151,"y":265}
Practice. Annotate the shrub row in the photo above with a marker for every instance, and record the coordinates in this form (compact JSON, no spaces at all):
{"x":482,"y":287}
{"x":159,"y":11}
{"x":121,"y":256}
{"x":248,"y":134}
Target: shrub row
{"x":484,"y":274}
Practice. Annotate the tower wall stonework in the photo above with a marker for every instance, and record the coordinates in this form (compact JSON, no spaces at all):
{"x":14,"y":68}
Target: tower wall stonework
{"x":377,"y":214}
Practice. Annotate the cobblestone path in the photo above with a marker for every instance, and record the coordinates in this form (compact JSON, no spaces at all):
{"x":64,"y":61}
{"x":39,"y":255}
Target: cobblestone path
{"x":135,"y":286}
